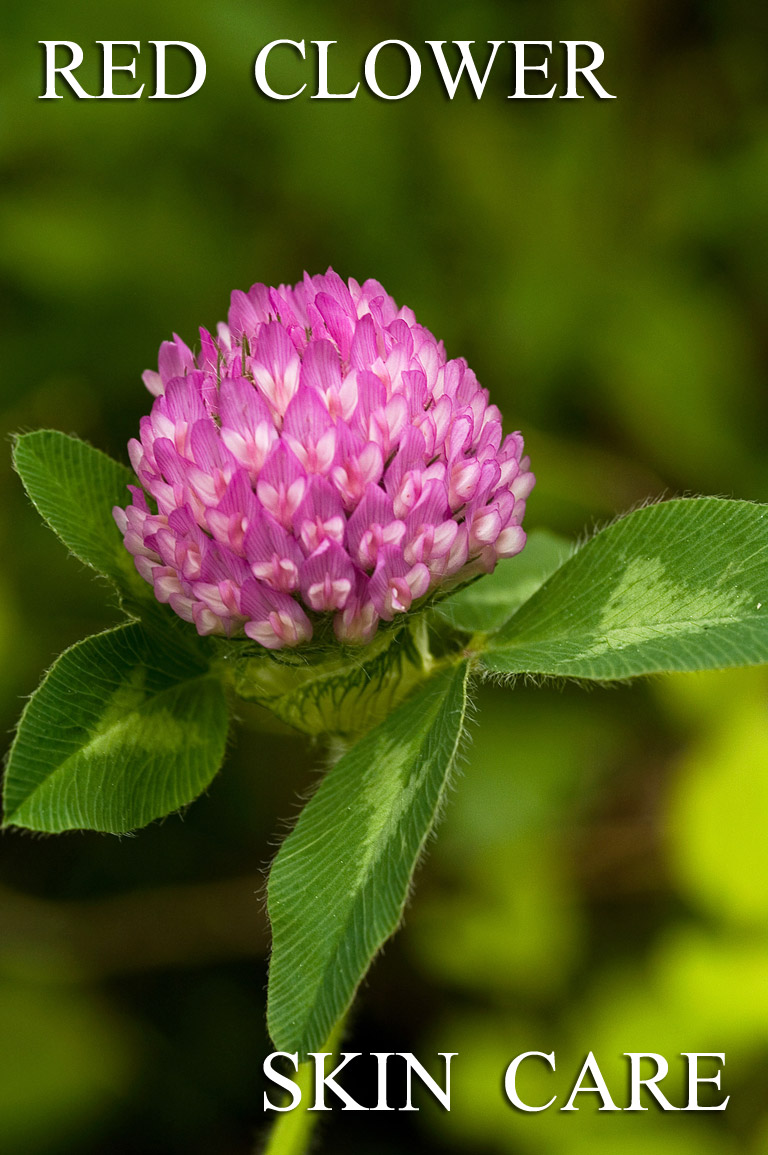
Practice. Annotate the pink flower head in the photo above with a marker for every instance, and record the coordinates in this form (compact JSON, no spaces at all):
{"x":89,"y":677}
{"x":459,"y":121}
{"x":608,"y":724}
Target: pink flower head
{"x":318,"y":456}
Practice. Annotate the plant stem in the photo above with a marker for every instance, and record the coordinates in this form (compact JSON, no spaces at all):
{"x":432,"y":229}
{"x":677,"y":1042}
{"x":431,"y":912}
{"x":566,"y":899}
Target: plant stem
{"x":292,"y":1130}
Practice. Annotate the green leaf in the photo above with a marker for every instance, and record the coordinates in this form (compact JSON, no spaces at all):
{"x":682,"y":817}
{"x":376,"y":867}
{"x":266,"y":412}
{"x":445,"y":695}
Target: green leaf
{"x":488,"y":603}
{"x":678,"y":586}
{"x":340,"y":882}
{"x":123,"y":729}
{"x":74,"y":487}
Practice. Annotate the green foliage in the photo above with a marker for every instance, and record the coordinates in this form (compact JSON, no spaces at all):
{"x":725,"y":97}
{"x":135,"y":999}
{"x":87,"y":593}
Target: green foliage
{"x":131,"y":724}
{"x":341,"y":879}
{"x":488,"y":603}
{"x":123,"y":729}
{"x":677,"y":586}
{"x":330,"y":689}
{"x":74,"y":488}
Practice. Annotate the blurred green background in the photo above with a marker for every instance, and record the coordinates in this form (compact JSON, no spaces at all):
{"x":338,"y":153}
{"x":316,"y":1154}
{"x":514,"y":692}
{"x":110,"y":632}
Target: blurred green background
{"x":599,"y":882}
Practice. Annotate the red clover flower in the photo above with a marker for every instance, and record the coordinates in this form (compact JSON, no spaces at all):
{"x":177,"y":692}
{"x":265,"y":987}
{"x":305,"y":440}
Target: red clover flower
{"x":319,"y":455}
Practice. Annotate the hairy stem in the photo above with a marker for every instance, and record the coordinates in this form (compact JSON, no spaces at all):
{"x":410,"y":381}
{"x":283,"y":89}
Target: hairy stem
{"x":292,"y":1130}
